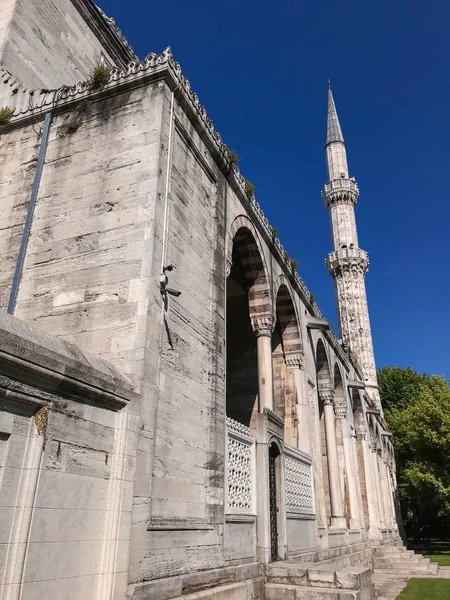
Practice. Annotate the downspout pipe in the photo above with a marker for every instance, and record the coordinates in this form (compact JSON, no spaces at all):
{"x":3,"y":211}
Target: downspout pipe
{"x":30,"y":215}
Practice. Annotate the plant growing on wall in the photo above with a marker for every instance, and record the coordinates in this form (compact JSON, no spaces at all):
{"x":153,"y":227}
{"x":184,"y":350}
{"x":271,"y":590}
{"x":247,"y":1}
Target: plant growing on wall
{"x":76,"y":119}
{"x":294,"y":264}
{"x":233,"y":157}
{"x":100,"y":76}
{"x":73,"y":125}
{"x":273,"y":232}
{"x":312,"y":298}
{"x":6,"y":114}
{"x":249,"y":189}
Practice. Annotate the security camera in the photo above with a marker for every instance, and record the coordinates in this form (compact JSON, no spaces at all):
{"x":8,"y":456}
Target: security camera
{"x":168,"y":268}
{"x":172,"y":292}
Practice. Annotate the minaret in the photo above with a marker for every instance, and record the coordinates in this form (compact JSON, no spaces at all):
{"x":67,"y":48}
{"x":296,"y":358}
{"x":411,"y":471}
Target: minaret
{"x":348,"y":264}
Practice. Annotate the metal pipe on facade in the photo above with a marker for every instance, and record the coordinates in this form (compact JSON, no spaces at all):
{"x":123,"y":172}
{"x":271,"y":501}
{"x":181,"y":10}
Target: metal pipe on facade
{"x":30,"y":215}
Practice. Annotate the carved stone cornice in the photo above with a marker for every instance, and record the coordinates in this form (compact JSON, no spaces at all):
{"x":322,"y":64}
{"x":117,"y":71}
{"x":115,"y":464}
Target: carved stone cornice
{"x":272,"y":416}
{"x":326,"y":397}
{"x":340,"y":191}
{"x":262,"y":325}
{"x":347,"y":259}
{"x":294,"y":360}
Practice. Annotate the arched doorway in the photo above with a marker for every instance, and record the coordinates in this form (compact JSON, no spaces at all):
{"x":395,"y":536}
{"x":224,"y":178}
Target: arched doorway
{"x":274,"y":498}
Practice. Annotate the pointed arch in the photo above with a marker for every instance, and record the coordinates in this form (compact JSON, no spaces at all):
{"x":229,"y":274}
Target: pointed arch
{"x":247,"y":310}
{"x":243,"y":244}
{"x":322,"y":368}
{"x":286,"y":355}
{"x":287,"y":317}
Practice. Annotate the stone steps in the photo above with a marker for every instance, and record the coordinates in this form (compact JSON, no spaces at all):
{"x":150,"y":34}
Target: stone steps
{"x":290,"y":581}
{"x":276,"y":591}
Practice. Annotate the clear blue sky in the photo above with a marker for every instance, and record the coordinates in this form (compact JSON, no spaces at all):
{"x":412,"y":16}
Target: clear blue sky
{"x":260,"y":68}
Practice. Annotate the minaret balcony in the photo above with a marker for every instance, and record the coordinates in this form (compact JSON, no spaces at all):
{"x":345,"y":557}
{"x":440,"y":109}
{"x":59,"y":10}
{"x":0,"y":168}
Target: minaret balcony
{"x":347,"y":259}
{"x":340,"y":191}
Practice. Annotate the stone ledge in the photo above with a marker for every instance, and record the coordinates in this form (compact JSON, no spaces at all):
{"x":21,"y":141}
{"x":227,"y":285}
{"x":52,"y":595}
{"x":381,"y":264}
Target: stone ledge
{"x":201,"y":584}
{"x":35,"y":360}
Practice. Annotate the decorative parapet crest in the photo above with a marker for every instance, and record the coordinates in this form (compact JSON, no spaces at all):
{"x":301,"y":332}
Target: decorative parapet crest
{"x":347,"y":259}
{"x":340,"y":191}
{"x":117,"y":31}
{"x":297,"y":453}
{"x":236,"y":427}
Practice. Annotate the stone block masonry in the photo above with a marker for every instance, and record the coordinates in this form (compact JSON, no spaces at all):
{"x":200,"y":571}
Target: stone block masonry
{"x":118,"y":477}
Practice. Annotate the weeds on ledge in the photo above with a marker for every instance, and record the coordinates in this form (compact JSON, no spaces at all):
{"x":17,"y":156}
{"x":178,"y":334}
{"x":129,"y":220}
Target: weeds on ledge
{"x":6,"y":114}
{"x":249,"y":189}
{"x":100,"y":76}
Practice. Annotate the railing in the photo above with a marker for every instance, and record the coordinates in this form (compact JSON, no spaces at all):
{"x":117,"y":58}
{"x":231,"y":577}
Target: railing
{"x":241,"y":469}
{"x":298,"y":478}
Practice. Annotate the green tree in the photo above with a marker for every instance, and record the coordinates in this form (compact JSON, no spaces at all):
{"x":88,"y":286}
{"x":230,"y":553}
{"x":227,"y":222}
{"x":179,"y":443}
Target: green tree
{"x":417,"y":411}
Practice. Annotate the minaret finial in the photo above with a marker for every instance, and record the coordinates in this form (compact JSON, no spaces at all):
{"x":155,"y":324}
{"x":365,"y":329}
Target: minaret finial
{"x":329,"y":84}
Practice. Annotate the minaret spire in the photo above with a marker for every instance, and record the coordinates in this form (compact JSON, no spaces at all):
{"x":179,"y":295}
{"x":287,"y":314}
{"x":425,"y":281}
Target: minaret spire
{"x":334,"y":131}
{"x":348,"y":264}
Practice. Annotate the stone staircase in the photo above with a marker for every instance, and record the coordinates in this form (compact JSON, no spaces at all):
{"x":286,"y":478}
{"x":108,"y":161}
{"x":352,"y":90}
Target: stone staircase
{"x":289,"y":581}
{"x":396,"y":559}
{"x":394,"y":565}
{"x":361,"y":572}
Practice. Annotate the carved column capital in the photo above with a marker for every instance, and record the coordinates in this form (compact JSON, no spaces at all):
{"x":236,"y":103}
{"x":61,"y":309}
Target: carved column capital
{"x":294,"y":360}
{"x":326,"y":396}
{"x":373,"y":445}
{"x":262,"y":325}
{"x":360,"y":435}
{"x":341,"y":411}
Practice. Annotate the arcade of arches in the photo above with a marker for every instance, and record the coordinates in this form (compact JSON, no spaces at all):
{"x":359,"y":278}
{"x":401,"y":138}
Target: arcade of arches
{"x":306,"y":450}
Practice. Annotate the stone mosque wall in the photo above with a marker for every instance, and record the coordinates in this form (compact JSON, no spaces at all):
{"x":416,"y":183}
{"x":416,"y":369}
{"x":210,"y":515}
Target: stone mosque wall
{"x":189,"y":439}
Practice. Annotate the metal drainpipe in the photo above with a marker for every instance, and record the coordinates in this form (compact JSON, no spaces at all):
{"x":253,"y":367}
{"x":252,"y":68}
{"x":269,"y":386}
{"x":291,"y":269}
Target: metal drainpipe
{"x":30,"y":214}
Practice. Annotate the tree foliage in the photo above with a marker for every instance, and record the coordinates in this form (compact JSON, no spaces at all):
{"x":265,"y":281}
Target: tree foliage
{"x":417,"y":411}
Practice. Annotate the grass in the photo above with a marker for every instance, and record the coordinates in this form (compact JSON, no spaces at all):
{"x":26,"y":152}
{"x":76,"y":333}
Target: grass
{"x":439,"y":552}
{"x":441,"y":558}
{"x":426,"y":589}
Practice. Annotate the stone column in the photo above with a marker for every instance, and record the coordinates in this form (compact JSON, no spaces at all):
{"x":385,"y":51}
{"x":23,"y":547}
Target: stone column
{"x":374,"y":532}
{"x":341,"y":413}
{"x":377,"y":483}
{"x":390,"y":512}
{"x":337,"y":511}
{"x":383,"y":491}
{"x":263,"y":331}
{"x":358,"y":482}
{"x":393,"y":488}
{"x":294,"y":362}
